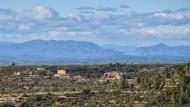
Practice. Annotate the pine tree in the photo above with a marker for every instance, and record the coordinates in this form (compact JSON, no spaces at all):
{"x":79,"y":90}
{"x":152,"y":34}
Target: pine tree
{"x":123,"y":83}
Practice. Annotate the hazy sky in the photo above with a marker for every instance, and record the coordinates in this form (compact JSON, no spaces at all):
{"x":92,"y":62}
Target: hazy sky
{"x":121,"y":22}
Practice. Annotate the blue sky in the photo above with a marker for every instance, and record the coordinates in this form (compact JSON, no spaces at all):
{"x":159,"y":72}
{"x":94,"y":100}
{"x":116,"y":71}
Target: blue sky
{"x":120,"y":22}
{"x":66,"y":6}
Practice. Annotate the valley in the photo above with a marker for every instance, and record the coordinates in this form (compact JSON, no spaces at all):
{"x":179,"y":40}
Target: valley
{"x":103,"y":85}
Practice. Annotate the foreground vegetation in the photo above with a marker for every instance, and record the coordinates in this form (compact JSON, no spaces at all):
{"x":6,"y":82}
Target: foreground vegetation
{"x":111,"y":85}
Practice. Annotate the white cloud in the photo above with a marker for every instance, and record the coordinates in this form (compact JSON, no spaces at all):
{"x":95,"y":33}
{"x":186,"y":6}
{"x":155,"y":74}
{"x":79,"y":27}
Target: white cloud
{"x":187,"y":31}
{"x":160,"y":14}
{"x":73,"y":16}
{"x":25,"y":27}
{"x":42,"y":13}
{"x":99,"y":25}
{"x":140,"y":24}
{"x":179,"y":16}
{"x":54,"y":33}
{"x":6,"y":14}
{"x":152,"y":32}
{"x":100,"y":16}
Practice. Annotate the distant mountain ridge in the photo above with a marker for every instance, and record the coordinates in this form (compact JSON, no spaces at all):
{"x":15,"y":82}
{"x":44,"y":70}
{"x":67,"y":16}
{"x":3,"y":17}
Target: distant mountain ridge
{"x":81,"y":52}
{"x":128,"y":50}
{"x":55,"y":49}
{"x":164,"y":50}
{"x":160,"y":49}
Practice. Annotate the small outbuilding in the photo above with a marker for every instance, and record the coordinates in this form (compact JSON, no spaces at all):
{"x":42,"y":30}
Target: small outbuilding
{"x":61,"y":73}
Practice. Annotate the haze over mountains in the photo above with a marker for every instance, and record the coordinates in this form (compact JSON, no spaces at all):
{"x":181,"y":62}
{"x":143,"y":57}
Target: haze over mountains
{"x":71,"y":50}
{"x":55,"y":49}
{"x":155,"y":50}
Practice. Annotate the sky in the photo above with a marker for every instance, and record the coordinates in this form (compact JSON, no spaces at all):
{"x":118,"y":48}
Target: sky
{"x":118,"y":22}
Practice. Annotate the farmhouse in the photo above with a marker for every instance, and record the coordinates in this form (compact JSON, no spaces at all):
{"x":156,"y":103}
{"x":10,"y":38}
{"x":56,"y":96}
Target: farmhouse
{"x":111,"y":76}
{"x":61,"y":73}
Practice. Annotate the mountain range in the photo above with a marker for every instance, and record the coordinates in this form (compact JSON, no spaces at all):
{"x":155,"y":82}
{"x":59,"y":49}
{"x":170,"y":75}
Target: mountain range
{"x":80,"y":51}
{"x":160,"y":49}
{"x":55,"y":49}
